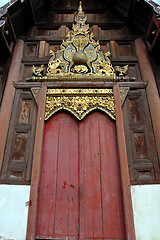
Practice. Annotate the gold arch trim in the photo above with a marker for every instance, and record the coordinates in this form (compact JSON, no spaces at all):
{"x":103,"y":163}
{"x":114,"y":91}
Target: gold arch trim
{"x":80,"y":102}
{"x":79,"y":117}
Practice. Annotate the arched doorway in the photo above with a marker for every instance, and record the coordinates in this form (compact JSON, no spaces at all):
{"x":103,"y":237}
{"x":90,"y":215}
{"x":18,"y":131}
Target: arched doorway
{"x":80,"y":191}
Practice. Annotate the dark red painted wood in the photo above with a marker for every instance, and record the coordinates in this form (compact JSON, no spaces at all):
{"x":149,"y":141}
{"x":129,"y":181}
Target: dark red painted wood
{"x":101,"y":211}
{"x":58,"y":193}
{"x":80,"y":182}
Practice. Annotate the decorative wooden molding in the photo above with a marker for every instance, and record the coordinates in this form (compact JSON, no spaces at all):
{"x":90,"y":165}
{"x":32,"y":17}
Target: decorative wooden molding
{"x":128,"y":211}
{"x":133,"y":85}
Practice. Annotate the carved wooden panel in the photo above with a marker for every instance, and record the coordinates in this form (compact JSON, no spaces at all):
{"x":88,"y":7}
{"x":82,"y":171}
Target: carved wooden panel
{"x":123,"y":50}
{"x":37,"y":54}
{"x":20,"y":141}
{"x":31,"y":49}
{"x":141,"y":148}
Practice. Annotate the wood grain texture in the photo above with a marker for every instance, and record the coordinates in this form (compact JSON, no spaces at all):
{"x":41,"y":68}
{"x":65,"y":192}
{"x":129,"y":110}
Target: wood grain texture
{"x":141,"y":147}
{"x":36,"y":167}
{"x":133,"y":85}
{"x":127,"y":202}
{"x":148,"y":75}
{"x":18,"y":154}
{"x":101,"y":208}
{"x":58,"y":193}
{"x":7,"y":102}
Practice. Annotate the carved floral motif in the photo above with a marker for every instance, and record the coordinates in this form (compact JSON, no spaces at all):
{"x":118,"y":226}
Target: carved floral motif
{"x":80,"y":101}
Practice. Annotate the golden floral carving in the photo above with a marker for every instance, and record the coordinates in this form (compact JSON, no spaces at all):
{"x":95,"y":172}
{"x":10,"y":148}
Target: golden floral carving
{"x":80,"y":101}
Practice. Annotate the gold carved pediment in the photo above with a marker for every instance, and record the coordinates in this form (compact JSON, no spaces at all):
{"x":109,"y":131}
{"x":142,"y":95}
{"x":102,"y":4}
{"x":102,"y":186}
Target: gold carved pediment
{"x":80,"y":58}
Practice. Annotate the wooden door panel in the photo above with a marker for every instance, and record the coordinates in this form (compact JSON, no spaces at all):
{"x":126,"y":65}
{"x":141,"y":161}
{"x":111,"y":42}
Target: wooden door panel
{"x":58,"y":195}
{"x":101,"y":212}
{"x":90,"y":182}
{"x":80,"y":191}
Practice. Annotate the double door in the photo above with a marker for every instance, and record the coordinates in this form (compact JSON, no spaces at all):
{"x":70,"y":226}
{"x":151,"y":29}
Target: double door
{"x":80,"y":189}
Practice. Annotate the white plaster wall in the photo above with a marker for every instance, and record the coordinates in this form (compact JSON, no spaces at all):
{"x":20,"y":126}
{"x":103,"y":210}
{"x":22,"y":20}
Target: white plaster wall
{"x":13,"y":212}
{"x":146,"y":208}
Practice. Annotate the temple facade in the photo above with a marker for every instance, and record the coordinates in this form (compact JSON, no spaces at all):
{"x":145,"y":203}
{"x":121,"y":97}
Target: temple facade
{"x":79,"y":117}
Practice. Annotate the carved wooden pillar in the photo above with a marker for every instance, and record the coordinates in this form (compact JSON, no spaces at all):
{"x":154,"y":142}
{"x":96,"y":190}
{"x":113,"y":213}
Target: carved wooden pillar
{"x":128,"y":211}
{"x":9,"y":95}
{"x":152,"y":92}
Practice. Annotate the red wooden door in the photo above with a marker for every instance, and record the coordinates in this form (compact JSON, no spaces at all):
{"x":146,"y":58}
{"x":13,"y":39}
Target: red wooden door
{"x":80,"y":192}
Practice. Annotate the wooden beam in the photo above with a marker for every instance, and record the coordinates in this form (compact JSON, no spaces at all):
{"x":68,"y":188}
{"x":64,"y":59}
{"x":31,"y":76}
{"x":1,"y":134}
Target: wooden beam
{"x":58,"y":40}
{"x":36,"y":167}
{"x":6,"y":45}
{"x":155,"y":40}
{"x":11,"y":27}
{"x":8,"y":97}
{"x":128,"y":211}
{"x":152,"y":91}
{"x":133,"y":85}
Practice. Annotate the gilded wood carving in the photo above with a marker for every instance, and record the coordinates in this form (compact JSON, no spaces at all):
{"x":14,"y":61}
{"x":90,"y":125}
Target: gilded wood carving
{"x":80,"y":58}
{"x":80,"y":101}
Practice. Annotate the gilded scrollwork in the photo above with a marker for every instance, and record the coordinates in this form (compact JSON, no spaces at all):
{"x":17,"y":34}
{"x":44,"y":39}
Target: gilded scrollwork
{"x":38,"y":71}
{"x":53,"y":67}
{"x":81,"y":101}
{"x":122,"y":70}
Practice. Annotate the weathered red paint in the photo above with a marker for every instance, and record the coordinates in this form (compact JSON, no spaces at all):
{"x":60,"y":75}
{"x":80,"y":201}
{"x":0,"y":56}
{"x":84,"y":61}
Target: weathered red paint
{"x":101,"y":213}
{"x":80,"y":192}
{"x":58,"y":201}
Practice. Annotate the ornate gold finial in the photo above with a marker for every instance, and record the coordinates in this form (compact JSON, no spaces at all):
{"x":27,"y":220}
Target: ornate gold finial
{"x":80,"y":19}
{"x":80,"y":7}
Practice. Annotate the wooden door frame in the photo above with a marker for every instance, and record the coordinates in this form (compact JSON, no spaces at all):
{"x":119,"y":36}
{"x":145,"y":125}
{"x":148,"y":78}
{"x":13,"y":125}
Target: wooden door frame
{"x":36,"y":168}
{"x":125,"y":180}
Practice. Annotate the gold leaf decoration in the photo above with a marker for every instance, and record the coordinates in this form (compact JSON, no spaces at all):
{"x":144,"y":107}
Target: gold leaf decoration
{"x":81,"y":101}
{"x":80,"y":58}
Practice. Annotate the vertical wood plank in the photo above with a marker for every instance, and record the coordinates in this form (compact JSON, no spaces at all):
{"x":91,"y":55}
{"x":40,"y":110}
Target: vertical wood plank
{"x":152,"y":91}
{"x":7,"y":102}
{"x":128,"y":211}
{"x":113,"y":215}
{"x":66,"y":212}
{"x":90,"y":185}
{"x":36,"y":167}
{"x":95,"y":30}
{"x":41,"y":49}
{"x":47,"y":189}
{"x":113,"y":49}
